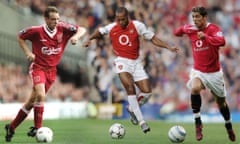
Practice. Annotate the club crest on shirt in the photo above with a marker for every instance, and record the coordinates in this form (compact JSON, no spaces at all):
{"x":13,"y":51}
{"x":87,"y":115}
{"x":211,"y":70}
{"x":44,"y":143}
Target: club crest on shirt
{"x":59,"y":38}
{"x":131,"y":31}
{"x":120,"y":67}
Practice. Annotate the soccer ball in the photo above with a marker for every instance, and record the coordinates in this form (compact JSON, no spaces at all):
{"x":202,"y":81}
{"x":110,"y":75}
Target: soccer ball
{"x":117,"y":131}
{"x":177,"y":134}
{"x":44,"y":134}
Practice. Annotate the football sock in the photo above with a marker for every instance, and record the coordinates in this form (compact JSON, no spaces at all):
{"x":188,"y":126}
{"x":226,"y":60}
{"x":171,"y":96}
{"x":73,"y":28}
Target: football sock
{"x":228,"y":121}
{"x":133,"y":103}
{"x":197,"y":115}
{"x":196,"y":103}
{"x":22,"y":114}
{"x":228,"y":125}
{"x":224,"y":110}
{"x":141,"y":122}
{"x":38,"y":115}
{"x":198,"y":121}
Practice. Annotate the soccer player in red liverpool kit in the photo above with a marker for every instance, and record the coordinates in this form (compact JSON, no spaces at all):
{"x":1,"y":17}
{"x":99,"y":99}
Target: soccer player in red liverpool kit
{"x":124,"y":35}
{"x":48,"y":43}
{"x":206,"y":39}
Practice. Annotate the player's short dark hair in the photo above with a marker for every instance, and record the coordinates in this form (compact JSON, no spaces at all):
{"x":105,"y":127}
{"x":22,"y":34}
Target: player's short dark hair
{"x":122,"y":10}
{"x":50,"y":9}
{"x":201,"y":10}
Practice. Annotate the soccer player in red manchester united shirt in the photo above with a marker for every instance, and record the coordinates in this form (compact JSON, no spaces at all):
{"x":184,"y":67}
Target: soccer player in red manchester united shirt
{"x":48,"y":44}
{"x":206,"y":39}
{"x":124,"y":35}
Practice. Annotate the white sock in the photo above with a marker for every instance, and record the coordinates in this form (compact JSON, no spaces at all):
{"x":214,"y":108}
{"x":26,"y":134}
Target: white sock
{"x":130,"y":108}
{"x":141,"y":122}
{"x":228,"y":121}
{"x":196,"y":115}
{"x":134,"y":106}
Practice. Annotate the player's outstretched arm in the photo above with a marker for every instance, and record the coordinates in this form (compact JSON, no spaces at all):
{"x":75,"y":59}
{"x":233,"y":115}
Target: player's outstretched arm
{"x":95,"y":35}
{"x":80,"y":32}
{"x":156,"y":41}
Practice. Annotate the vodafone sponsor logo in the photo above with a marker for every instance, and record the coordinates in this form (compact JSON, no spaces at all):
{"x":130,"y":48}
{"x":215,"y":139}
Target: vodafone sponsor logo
{"x":51,"y":51}
{"x":199,"y":46}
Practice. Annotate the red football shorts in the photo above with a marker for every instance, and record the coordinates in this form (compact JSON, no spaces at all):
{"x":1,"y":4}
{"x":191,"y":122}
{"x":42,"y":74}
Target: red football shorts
{"x":45,"y":76}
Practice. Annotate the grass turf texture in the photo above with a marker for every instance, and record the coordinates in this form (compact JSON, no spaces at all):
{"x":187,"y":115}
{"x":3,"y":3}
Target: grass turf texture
{"x":91,"y":131}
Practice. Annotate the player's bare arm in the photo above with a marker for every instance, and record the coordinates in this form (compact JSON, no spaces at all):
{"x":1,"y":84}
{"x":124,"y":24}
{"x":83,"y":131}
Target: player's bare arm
{"x":96,"y":34}
{"x":80,"y":32}
{"x":30,"y":56}
{"x":156,"y":41}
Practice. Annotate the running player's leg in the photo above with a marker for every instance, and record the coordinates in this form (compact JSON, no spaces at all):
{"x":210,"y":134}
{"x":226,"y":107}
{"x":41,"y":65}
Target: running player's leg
{"x":124,"y":70}
{"x":47,"y":79}
{"x":38,"y":108}
{"x":145,"y":88}
{"x":128,"y":83}
{"x":142,"y":82}
{"x":196,"y":102}
{"x":217,"y":87}
{"x":20,"y":117}
{"x":39,"y":79}
{"x":224,"y":110}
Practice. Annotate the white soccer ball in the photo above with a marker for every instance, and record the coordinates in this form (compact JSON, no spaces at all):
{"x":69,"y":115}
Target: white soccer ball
{"x":44,"y":134}
{"x":117,"y":131}
{"x":177,"y":134}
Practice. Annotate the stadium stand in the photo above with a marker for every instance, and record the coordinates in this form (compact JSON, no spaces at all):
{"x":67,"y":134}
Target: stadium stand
{"x":168,"y":72}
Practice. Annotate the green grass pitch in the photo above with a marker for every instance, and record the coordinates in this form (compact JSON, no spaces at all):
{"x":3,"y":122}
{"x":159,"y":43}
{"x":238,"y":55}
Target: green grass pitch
{"x":92,"y":131}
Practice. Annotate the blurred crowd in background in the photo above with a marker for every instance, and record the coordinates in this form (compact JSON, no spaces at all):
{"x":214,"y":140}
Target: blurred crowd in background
{"x":168,"y":72}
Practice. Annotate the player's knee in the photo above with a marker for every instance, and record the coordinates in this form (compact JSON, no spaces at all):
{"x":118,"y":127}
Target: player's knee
{"x":197,"y":86}
{"x":40,"y":97}
{"x":143,"y":98}
{"x":130,"y":89}
{"x":28,"y":106}
{"x":221,"y":102}
{"x":196,"y":89}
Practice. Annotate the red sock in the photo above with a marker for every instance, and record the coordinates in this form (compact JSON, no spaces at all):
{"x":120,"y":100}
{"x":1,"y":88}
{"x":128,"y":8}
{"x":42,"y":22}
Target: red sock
{"x":38,"y":115}
{"x":22,"y":114}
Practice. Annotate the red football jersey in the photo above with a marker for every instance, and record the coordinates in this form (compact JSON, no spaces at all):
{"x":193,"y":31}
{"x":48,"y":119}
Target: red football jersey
{"x":48,"y":46}
{"x":206,"y":51}
{"x":125,"y":42}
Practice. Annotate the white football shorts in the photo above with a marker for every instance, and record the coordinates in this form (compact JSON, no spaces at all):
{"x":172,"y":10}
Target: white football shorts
{"x":213,"y":81}
{"x":133,"y":67}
